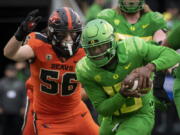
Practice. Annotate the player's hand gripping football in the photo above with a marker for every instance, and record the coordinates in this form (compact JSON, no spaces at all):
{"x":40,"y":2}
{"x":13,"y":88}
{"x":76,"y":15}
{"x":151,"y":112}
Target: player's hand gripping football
{"x":27,"y":25}
{"x":138,"y":81}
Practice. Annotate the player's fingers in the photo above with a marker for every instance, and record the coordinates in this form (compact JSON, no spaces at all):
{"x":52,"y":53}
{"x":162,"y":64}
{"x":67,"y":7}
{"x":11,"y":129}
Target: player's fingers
{"x":150,"y":83}
{"x":140,"y":83}
{"x":131,"y":77}
{"x":144,"y":84}
{"x":28,"y":19}
{"x":31,"y":15}
{"x":134,"y":93}
{"x":34,"y":12}
{"x":37,"y":19}
{"x":143,"y":91}
{"x":147,"y":85}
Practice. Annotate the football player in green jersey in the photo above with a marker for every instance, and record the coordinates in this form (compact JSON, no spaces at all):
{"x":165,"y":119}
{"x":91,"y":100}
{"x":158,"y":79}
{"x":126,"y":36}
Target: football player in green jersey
{"x":134,"y":18}
{"x":105,"y":69}
{"x":173,"y":41}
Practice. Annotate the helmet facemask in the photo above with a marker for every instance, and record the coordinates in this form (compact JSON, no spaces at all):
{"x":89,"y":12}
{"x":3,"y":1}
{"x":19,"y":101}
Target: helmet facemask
{"x":66,"y":47}
{"x":104,"y":54}
{"x":131,"y":6}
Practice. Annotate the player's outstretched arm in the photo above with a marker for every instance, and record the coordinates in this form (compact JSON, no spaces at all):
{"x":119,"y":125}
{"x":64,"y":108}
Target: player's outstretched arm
{"x":14,"y":51}
{"x":13,"y":48}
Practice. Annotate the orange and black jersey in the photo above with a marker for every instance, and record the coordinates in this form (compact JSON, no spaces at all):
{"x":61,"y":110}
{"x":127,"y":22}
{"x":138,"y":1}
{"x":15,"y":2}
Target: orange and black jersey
{"x":29,"y":88}
{"x":55,"y":89}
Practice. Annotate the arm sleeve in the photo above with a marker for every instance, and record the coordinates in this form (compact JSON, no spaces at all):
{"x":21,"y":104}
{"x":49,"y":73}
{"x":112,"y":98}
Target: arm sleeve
{"x":104,"y":104}
{"x":158,"y":20}
{"x":174,"y":37}
{"x":162,"y":57}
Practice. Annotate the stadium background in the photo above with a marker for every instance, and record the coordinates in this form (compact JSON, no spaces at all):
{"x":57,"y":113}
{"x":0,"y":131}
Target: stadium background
{"x":12,"y":12}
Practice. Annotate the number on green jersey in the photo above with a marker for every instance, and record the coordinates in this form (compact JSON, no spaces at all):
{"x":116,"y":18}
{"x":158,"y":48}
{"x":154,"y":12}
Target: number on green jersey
{"x":132,"y":104}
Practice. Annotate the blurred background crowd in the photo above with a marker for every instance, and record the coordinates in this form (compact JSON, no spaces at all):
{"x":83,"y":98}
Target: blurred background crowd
{"x":13,"y":75}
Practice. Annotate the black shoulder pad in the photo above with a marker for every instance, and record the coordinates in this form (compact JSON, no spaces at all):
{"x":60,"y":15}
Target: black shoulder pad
{"x":41,"y":37}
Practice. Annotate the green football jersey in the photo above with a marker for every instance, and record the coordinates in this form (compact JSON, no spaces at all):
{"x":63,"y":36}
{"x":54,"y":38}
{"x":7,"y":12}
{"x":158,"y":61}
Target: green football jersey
{"x":102,"y":86}
{"x":145,"y":28}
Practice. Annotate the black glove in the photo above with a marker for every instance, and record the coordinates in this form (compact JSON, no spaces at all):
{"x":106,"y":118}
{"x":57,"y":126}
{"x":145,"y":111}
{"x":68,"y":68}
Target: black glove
{"x":27,"y":25}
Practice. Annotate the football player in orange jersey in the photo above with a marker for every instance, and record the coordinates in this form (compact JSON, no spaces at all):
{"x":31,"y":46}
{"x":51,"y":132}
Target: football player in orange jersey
{"x":28,"y":125}
{"x":57,"y":104}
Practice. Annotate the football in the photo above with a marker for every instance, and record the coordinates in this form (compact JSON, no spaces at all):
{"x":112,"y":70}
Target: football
{"x":135,"y":85}
{"x":143,"y":91}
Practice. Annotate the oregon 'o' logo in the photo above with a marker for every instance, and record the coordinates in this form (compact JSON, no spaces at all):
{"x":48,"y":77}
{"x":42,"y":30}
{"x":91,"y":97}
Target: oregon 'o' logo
{"x":115,"y":76}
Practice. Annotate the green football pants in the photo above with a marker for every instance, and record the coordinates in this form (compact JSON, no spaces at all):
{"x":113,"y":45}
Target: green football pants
{"x":136,"y":124}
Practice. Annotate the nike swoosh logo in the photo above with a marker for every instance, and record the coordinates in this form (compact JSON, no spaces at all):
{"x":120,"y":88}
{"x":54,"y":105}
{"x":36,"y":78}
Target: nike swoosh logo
{"x":45,"y":126}
{"x":128,"y":66}
{"x":83,"y":114}
{"x":145,"y":26}
{"x":115,"y":127}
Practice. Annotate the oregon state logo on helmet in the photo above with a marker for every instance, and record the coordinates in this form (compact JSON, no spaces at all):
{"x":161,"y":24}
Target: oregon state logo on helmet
{"x":65,"y":19}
